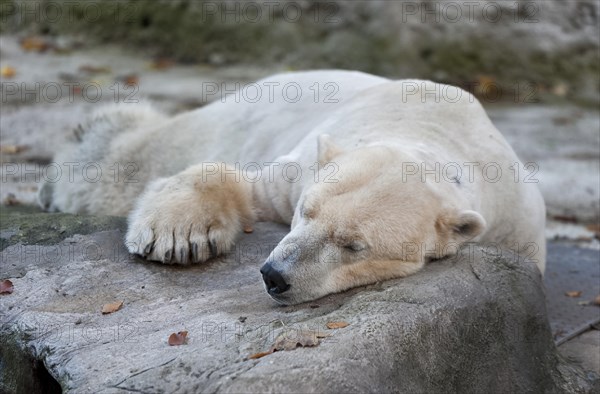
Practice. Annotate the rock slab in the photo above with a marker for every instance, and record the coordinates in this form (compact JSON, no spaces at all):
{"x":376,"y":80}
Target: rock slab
{"x":472,"y":323}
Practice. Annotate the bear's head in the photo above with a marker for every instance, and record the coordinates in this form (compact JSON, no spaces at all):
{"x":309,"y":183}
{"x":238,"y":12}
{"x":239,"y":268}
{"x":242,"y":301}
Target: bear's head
{"x":367,"y":223}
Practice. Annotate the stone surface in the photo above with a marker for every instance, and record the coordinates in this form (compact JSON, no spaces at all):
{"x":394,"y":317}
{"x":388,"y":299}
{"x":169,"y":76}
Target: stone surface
{"x":571,"y":269}
{"x":477,"y":322}
{"x":583,"y":350}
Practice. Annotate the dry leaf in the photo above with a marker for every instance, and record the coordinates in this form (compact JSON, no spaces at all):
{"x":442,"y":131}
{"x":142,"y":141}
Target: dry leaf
{"x":595,"y":228}
{"x":485,"y":83}
{"x":290,"y":340}
{"x":130,"y":80}
{"x":34,"y":44}
{"x":178,"y":338}
{"x":11,"y":200}
{"x":565,"y":218}
{"x":8,"y":71}
{"x":573,"y":294}
{"x":597,"y":300}
{"x":6,"y":287}
{"x":112,"y":307}
{"x":337,"y":324}
{"x":259,"y":355}
{"x":13,"y":149}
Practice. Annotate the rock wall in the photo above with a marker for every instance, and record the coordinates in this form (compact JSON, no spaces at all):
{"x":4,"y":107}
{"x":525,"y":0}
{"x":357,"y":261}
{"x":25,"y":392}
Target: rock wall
{"x":551,"y":44}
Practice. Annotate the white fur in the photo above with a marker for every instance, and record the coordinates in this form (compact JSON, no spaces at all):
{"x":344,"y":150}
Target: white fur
{"x":375,"y":129}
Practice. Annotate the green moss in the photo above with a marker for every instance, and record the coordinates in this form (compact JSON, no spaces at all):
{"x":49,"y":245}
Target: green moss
{"x":27,"y":225}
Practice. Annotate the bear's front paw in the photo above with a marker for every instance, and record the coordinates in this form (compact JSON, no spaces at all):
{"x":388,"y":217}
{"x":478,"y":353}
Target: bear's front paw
{"x":177,"y":223}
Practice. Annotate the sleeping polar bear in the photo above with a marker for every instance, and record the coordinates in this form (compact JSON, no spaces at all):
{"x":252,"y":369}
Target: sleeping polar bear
{"x":376,"y":177}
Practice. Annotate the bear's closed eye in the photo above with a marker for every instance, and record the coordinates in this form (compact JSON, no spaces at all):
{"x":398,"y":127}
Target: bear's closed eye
{"x":354,"y":247}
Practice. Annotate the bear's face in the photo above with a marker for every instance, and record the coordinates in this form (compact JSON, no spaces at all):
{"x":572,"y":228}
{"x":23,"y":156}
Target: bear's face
{"x":365,"y":225}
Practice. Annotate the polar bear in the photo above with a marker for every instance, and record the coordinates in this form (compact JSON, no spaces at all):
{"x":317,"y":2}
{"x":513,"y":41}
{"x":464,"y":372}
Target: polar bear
{"x":375,"y":177}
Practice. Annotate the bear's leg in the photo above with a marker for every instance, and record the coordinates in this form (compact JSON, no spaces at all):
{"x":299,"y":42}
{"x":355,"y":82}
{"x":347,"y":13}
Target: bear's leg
{"x":191,"y":216}
{"x":92,"y":144}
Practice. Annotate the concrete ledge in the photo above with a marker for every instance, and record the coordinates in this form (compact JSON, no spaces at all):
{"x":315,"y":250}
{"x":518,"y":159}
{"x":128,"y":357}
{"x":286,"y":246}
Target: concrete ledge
{"x":469,"y":324}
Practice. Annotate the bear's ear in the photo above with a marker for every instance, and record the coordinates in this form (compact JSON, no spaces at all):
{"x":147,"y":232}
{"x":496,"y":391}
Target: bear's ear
{"x":460,"y":226}
{"x":327,"y":149}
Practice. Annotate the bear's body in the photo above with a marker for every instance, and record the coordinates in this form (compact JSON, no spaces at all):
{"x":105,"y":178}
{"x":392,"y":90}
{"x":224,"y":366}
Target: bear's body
{"x":390,"y":167}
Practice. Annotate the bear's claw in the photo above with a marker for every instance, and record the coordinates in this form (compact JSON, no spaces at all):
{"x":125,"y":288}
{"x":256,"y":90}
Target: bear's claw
{"x":148,"y":249}
{"x":161,"y":231}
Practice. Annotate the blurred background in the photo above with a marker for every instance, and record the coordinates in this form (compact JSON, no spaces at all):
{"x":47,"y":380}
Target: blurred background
{"x":535,"y":65}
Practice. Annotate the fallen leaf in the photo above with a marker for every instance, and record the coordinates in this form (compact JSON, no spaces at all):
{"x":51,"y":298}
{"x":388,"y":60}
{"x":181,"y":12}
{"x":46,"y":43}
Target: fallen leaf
{"x":597,"y":300}
{"x":334,"y":325}
{"x":573,"y":294}
{"x":485,"y":85}
{"x":34,"y":44}
{"x":13,"y":149}
{"x":595,"y":228}
{"x":6,"y":287}
{"x":486,"y":80}
{"x":565,"y":218}
{"x":8,"y":71}
{"x":11,"y":200}
{"x":129,"y":80}
{"x":290,"y":340}
{"x":178,"y":338}
{"x":112,"y":307}
{"x":259,"y":355}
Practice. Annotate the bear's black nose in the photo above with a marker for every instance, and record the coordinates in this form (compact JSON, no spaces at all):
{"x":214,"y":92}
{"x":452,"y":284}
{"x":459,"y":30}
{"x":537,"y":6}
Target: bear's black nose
{"x":273,"y":280}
